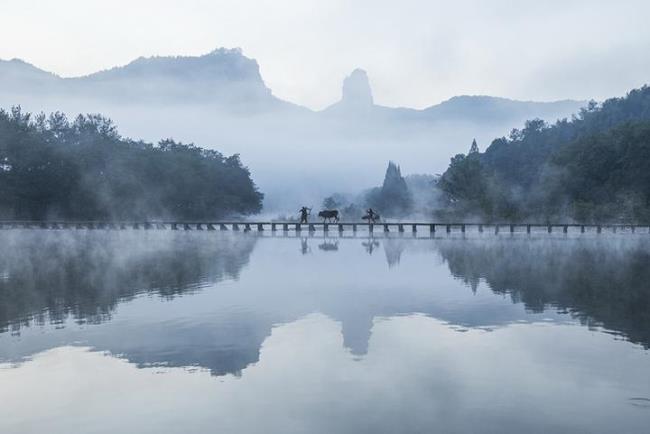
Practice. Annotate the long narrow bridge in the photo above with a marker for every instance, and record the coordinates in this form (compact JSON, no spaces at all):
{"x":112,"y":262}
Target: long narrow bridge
{"x":285,"y":226}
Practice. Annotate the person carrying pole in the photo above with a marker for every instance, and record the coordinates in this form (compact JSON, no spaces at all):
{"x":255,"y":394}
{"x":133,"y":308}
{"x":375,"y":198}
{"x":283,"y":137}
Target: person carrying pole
{"x":304,"y":213}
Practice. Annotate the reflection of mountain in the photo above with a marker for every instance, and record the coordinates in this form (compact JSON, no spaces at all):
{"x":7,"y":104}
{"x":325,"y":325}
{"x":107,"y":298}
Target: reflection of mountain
{"x":223,"y":328}
{"x":600,"y":282}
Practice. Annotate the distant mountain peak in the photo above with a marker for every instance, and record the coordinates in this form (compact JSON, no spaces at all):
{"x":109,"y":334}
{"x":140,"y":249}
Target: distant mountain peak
{"x":356,"y":89}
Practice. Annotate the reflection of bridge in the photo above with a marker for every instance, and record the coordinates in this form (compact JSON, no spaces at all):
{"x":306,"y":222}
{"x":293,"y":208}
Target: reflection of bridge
{"x":385,"y":227}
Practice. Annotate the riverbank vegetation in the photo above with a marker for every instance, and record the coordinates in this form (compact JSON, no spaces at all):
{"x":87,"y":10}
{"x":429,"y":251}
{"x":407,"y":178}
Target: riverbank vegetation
{"x":594,"y":167}
{"x":51,"y":167}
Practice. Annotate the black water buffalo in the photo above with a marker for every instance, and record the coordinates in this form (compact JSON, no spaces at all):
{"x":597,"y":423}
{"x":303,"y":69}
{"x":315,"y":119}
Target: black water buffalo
{"x":329,"y":215}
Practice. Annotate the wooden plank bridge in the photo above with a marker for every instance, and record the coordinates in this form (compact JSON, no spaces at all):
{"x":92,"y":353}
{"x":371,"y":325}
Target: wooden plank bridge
{"x":286,"y":226}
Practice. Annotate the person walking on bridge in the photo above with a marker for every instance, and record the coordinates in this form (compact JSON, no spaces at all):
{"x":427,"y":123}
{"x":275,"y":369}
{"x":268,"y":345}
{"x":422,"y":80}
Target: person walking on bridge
{"x":304,"y":213}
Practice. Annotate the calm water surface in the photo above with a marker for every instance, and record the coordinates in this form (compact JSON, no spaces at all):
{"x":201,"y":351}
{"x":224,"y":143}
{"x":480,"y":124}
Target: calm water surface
{"x":164,"y":332}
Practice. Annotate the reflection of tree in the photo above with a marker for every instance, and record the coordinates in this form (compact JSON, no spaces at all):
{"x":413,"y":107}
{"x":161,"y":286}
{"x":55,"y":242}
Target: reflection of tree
{"x":47,"y":276}
{"x":393,"y":248}
{"x":594,"y":280}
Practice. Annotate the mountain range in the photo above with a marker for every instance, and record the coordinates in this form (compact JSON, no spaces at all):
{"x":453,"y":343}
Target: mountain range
{"x":220,"y":100}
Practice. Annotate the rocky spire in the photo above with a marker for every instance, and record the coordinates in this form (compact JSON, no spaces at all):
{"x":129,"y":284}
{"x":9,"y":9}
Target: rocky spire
{"x":356,"y":89}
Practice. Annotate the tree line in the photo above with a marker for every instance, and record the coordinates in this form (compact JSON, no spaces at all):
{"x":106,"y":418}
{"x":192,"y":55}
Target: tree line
{"x":51,"y":167}
{"x":593,"y":167}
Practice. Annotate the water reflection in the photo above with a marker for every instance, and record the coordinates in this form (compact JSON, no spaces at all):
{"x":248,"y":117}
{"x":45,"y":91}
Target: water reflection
{"x":89,"y":285}
{"x":599,"y":281}
{"x":280,"y":338}
{"x":48,"y":277}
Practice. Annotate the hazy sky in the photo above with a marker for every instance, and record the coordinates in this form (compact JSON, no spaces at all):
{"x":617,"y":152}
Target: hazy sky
{"x":417,"y":52}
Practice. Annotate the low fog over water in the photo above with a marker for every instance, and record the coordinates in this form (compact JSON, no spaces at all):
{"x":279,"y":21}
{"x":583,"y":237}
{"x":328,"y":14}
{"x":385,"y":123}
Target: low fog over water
{"x":226,"y":303}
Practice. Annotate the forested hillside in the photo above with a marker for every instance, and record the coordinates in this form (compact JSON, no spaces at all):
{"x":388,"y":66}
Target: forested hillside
{"x":595,"y":166}
{"x":51,"y":167}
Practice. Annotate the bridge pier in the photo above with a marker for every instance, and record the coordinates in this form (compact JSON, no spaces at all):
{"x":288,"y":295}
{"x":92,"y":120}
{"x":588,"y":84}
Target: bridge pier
{"x":432,"y":229}
{"x":528,"y":229}
{"x":211,"y":227}
{"x":599,"y":229}
{"x":186,"y":227}
{"x":273,"y":228}
{"x":354,"y":228}
{"x":448,"y":227}
{"x":414,"y":229}
{"x":582,"y":229}
{"x":223,"y":227}
{"x":400,"y":228}
{"x":386,"y":230}
{"x":285,"y":227}
{"x":370,"y":227}
{"x":496,"y":229}
{"x":260,"y":227}
{"x":340,"y":228}
{"x":247,"y":227}
{"x":565,"y":229}
{"x":550,"y":229}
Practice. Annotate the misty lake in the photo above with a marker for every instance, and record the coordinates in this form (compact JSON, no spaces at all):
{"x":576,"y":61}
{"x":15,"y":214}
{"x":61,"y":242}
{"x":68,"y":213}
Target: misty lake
{"x":187,"y":332}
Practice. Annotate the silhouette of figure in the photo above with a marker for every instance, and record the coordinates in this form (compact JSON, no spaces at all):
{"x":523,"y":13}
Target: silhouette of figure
{"x":304,"y":247}
{"x":371,"y":215}
{"x":304,"y":213}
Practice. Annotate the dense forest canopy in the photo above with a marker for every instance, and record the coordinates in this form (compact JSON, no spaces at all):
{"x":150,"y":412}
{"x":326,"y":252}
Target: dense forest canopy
{"x":594,"y":167}
{"x":51,"y":167}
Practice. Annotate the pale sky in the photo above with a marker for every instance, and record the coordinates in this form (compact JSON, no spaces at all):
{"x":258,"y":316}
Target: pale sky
{"x":417,"y":52}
